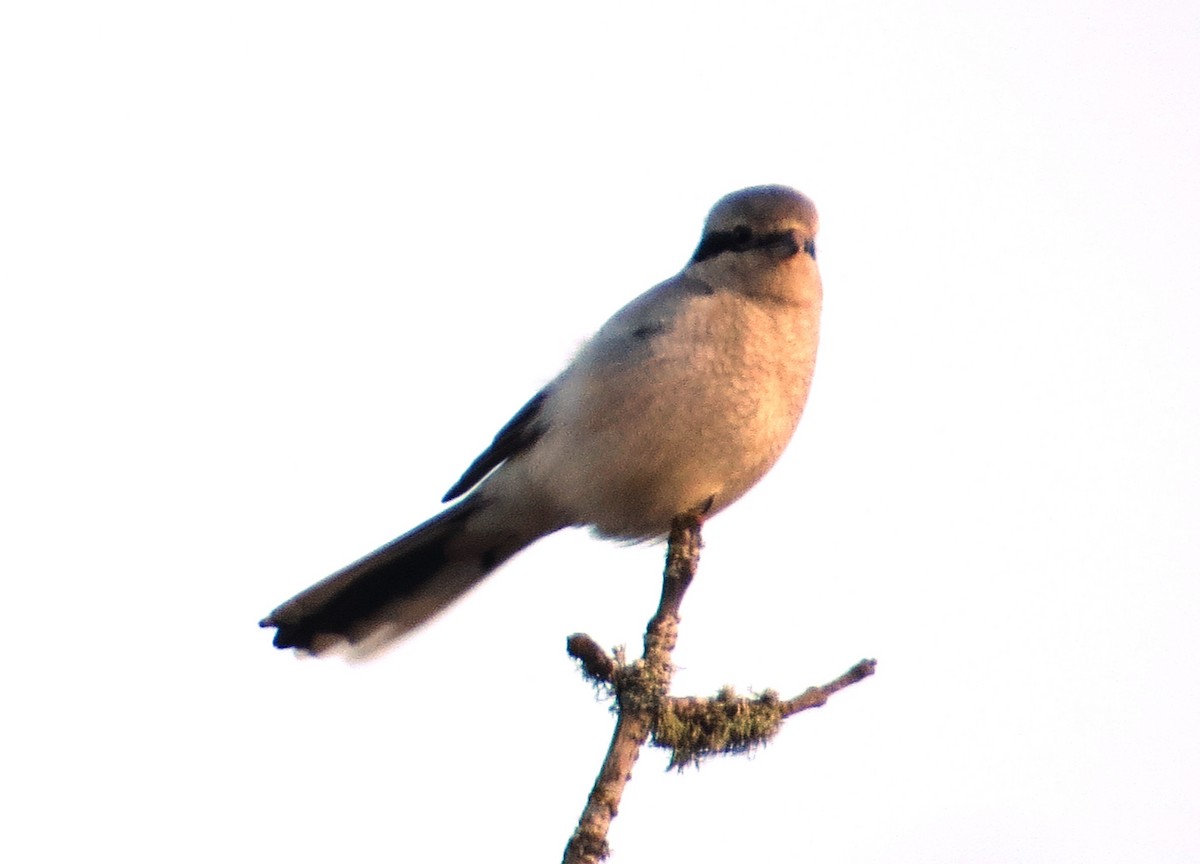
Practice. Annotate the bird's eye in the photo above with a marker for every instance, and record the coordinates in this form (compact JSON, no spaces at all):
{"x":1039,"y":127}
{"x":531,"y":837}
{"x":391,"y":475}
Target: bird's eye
{"x":742,"y":234}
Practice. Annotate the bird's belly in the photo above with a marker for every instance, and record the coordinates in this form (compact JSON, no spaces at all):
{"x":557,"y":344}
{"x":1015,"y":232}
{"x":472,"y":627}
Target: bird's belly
{"x":639,"y":458}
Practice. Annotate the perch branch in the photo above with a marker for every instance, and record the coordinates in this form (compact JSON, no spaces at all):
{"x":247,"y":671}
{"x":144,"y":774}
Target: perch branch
{"x":691,"y":728}
{"x":640,"y":688}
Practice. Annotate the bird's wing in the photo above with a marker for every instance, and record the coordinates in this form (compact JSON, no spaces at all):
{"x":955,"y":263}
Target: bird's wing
{"x":635,"y":327}
{"x":518,"y":434}
{"x":627,"y":334}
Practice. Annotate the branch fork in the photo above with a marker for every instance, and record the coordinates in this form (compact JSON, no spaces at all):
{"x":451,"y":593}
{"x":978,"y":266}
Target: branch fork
{"x":692,"y":728}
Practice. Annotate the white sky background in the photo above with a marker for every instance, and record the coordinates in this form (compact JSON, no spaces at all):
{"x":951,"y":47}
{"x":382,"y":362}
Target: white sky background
{"x":275,"y":273}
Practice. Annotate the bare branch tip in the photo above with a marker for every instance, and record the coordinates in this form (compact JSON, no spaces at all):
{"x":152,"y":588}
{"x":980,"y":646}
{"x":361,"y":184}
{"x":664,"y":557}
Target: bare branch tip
{"x":597,"y":664}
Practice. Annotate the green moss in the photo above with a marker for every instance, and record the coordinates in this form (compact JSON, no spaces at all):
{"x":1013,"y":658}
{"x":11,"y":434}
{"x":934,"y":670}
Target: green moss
{"x":694,"y":729}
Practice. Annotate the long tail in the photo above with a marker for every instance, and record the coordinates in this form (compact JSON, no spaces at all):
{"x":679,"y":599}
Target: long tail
{"x":398,"y":587}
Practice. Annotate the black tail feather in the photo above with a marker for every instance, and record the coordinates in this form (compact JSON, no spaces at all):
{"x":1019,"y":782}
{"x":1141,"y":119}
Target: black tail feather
{"x":387,"y":593}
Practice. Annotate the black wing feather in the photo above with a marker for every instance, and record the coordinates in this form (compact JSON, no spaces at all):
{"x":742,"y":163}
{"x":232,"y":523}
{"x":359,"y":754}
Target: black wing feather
{"x":517,"y":435}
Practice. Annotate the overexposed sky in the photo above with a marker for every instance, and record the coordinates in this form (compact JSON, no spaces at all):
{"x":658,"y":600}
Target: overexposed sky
{"x":274,"y":273}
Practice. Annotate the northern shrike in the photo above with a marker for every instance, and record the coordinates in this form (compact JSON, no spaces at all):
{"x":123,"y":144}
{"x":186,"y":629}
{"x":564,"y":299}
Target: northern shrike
{"x":680,"y":403}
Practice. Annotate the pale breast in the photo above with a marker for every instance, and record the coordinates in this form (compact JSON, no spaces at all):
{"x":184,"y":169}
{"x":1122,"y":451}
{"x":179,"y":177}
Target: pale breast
{"x":702,"y":413}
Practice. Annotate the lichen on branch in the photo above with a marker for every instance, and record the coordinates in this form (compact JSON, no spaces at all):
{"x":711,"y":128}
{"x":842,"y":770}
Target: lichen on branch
{"x":692,"y":728}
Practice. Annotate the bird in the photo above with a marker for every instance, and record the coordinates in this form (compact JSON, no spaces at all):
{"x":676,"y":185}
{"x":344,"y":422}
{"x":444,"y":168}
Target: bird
{"x":678,"y":404}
